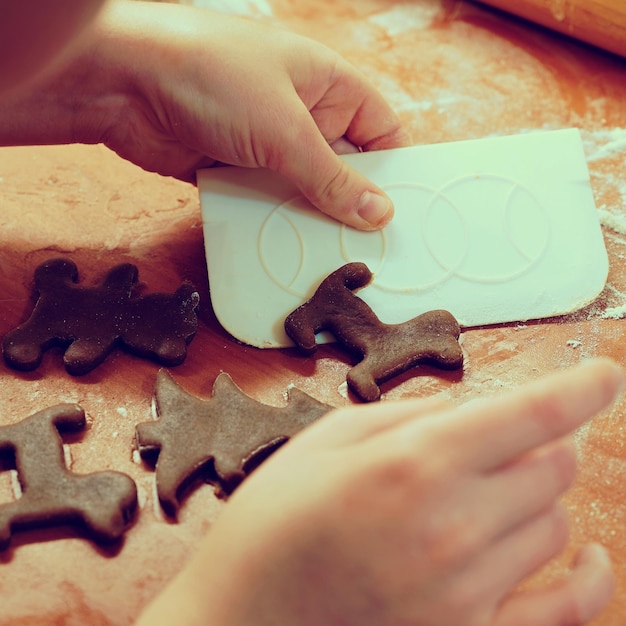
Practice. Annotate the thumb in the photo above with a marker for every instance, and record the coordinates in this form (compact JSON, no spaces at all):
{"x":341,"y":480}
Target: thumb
{"x":329,"y":183}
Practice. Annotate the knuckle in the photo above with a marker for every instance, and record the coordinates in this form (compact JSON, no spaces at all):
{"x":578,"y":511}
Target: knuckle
{"x":465,"y":600}
{"x":564,"y":464}
{"x":455,"y":541}
{"x":559,"y":532}
{"x":408,"y":477}
{"x":404,"y":473}
{"x":549,"y":414}
{"x":335,"y":188}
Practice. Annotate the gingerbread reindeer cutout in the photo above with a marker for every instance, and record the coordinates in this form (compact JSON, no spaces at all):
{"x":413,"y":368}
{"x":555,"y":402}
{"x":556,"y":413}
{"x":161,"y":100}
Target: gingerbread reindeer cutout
{"x":385,"y":349}
{"x":102,"y":503}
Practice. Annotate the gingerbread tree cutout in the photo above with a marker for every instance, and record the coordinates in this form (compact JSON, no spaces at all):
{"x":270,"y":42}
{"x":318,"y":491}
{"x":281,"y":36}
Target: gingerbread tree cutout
{"x":102,"y":503}
{"x":222,"y":438}
{"x":90,"y":321}
{"x":384,"y":350}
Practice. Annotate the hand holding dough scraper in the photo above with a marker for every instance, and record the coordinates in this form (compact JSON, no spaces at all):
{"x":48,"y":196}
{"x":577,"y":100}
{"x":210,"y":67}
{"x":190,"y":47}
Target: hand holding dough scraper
{"x":494,"y":230}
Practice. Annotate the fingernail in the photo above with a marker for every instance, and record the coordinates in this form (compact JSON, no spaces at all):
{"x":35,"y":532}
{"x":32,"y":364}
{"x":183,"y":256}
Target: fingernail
{"x":375,"y":209}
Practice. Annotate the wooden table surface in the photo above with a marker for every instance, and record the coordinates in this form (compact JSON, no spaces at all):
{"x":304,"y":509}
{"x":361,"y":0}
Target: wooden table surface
{"x":453,"y":70}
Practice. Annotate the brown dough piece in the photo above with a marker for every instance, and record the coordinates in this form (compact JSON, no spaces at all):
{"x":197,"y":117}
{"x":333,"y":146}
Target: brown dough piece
{"x":385,"y":349}
{"x":90,"y":321}
{"x":102,"y":503}
{"x":223,"y":438}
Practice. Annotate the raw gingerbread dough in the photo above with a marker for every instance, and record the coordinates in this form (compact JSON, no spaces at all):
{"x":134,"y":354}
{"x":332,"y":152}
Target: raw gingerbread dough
{"x":102,"y":503}
{"x":385,"y":349}
{"x":90,"y":321}
{"x":223,"y":438}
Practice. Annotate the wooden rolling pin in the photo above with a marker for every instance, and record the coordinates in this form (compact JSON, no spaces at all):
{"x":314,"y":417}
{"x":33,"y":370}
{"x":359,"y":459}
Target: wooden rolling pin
{"x":598,"y":22}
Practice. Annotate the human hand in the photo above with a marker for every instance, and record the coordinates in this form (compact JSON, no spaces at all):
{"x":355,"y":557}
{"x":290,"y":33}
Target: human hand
{"x":414,"y":513}
{"x":206,"y":88}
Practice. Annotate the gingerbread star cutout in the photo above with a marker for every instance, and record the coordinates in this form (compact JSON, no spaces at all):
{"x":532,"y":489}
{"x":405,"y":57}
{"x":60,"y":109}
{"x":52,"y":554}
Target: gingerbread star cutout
{"x":221,"y":439}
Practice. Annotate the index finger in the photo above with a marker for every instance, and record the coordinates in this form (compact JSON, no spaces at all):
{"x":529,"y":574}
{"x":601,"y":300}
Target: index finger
{"x":495,"y":431}
{"x":374,"y":124}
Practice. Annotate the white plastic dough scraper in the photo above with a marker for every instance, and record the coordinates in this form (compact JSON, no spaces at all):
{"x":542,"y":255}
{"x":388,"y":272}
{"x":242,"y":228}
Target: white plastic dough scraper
{"x":494,"y":230}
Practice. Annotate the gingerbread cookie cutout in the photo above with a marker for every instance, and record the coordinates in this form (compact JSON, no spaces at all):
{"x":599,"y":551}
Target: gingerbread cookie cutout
{"x":385,"y":349}
{"x":221,"y":439}
{"x":90,"y":321}
{"x":102,"y":503}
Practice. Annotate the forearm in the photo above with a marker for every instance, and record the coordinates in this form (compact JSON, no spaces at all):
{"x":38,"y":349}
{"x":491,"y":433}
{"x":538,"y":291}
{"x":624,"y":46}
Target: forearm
{"x":77,"y":100}
{"x":133,"y":85}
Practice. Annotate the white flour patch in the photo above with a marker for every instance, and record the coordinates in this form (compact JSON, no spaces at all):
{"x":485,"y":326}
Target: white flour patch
{"x":618,"y":311}
{"x":287,"y":392}
{"x":16,"y":486}
{"x":237,"y":7}
{"x":615,"y":313}
{"x":608,"y":147}
{"x":67,"y":456}
{"x":408,"y":16}
{"x":617,"y":223}
{"x":604,"y":144}
{"x":343,"y":390}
